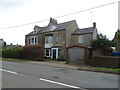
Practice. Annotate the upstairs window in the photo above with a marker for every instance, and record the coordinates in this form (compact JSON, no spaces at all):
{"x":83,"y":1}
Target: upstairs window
{"x":57,"y":38}
{"x":48,"y":39}
{"x":29,"y":41}
{"x":33,"y":40}
{"x":81,"y":39}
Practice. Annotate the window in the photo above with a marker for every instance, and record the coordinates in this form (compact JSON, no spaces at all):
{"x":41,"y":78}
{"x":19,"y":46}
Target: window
{"x":48,"y":40}
{"x":58,"y":52}
{"x":33,"y":40}
{"x":81,"y":39}
{"x":57,"y":38}
{"x":29,"y":41}
{"x":47,"y":52}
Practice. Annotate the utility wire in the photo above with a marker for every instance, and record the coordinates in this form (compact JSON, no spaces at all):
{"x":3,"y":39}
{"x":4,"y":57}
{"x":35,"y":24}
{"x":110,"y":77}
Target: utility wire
{"x":62,"y":15}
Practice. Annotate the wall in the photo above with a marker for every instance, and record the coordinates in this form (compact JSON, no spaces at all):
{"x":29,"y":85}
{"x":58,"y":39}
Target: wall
{"x":40,"y":36}
{"x":69,"y":30}
{"x":87,"y":38}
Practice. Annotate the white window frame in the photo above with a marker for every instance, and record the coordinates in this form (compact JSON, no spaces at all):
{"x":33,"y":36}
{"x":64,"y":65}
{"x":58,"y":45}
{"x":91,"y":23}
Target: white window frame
{"x":29,"y":41}
{"x":49,"y":53}
{"x":81,"y":39}
{"x":33,"y":42}
{"x":49,"y":39}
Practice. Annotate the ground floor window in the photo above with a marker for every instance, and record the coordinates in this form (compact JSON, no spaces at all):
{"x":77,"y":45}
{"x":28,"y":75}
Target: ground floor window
{"x":58,"y":52}
{"x":47,"y":52}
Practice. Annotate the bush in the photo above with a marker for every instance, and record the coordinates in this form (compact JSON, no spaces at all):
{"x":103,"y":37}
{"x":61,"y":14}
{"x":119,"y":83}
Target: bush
{"x":33,"y":52}
{"x":105,"y":61}
{"x":12,"y":53}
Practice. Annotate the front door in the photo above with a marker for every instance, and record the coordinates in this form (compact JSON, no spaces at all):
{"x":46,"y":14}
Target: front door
{"x":54,"y":54}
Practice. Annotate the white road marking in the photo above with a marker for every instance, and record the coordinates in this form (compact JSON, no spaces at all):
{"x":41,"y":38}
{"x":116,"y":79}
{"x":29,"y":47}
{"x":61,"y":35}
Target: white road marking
{"x":9,"y":71}
{"x":42,"y":79}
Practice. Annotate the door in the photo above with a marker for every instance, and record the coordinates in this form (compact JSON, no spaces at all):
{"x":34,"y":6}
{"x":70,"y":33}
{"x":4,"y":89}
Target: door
{"x":54,"y":54}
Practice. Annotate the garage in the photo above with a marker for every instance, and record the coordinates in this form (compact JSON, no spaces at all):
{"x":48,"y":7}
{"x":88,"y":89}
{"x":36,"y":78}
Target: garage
{"x":77,"y":54}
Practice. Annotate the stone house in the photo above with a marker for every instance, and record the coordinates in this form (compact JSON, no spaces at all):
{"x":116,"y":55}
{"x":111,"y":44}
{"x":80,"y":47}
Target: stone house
{"x":2,"y":44}
{"x":84,"y":36}
{"x":80,"y":50}
{"x":56,"y":37}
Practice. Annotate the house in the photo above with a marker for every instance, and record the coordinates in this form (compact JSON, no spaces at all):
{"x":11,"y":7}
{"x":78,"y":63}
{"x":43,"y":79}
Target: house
{"x":117,"y":40}
{"x":2,"y":44}
{"x":84,"y":36}
{"x":56,"y":37}
{"x":80,"y":50}
{"x":11,"y":46}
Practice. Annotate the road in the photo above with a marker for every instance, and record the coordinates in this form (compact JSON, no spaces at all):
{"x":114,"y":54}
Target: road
{"x":26,"y":75}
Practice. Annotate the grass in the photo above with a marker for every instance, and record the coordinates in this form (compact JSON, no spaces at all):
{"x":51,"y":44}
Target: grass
{"x":108,"y":69}
{"x":12,"y":59}
{"x":100,"y":69}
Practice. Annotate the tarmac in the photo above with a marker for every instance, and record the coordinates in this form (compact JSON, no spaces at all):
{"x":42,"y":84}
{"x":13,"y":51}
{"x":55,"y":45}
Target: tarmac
{"x":59,"y":64}
{"x":62,"y":64}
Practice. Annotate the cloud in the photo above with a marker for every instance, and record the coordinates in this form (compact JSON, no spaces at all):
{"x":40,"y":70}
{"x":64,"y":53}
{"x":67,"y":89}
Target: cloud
{"x":6,"y":5}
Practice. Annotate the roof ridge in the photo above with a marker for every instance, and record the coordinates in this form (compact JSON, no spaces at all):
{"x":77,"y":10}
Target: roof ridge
{"x":67,"y":22}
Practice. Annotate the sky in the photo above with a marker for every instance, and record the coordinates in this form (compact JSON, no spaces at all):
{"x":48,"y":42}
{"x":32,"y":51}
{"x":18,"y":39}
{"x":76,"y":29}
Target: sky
{"x":20,"y":12}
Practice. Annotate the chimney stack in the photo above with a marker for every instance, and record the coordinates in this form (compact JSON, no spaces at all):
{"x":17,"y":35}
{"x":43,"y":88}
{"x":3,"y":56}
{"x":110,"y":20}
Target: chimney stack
{"x":94,"y":24}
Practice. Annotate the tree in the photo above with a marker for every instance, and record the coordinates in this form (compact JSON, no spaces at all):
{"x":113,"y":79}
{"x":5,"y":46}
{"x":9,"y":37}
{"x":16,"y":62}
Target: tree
{"x":102,"y":45}
{"x":117,"y":40}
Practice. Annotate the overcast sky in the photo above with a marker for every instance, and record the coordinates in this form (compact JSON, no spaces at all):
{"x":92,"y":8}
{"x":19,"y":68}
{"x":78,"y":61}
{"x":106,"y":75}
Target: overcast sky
{"x":19,"y":12}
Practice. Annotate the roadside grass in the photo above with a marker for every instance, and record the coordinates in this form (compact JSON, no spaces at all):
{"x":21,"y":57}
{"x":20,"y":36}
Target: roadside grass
{"x":100,"y":69}
{"x":108,"y":69}
{"x":12,"y":59}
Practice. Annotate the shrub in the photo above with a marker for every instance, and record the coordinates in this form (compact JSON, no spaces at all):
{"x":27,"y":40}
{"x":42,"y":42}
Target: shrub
{"x":12,"y":53}
{"x":33,"y":52}
{"x":105,"y":61}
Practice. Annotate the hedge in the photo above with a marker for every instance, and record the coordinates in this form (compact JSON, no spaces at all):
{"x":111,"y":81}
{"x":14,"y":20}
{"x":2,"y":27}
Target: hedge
{"x":105,"y":61}
{"x":12,"y":53}
{"x":33,"y":52}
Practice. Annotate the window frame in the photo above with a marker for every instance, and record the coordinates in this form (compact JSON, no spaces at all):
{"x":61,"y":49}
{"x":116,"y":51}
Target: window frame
{"x":33,"y":40}
{"x":81,"y":39}
{"x":48,"y":39}
{"x":49,"y":53}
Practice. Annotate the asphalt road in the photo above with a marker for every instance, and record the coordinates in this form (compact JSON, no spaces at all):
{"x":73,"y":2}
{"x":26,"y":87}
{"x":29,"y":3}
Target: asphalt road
{"x":26,"y":75}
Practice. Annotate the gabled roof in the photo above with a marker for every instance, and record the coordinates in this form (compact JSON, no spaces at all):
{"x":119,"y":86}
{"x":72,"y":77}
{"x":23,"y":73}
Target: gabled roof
{"x":53,"y":22}
{"x":64,"y":25}
{"x":84,"y":31}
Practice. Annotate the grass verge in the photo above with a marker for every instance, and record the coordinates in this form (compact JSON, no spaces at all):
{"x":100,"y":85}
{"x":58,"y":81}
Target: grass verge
{"x":100,"y":69}
{"x":12,"y":59}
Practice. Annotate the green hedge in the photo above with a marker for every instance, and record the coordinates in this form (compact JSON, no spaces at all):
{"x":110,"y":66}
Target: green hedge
{"x":105,"y":61}
{"x":12,"y":53}
{"x":33,"y":52}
